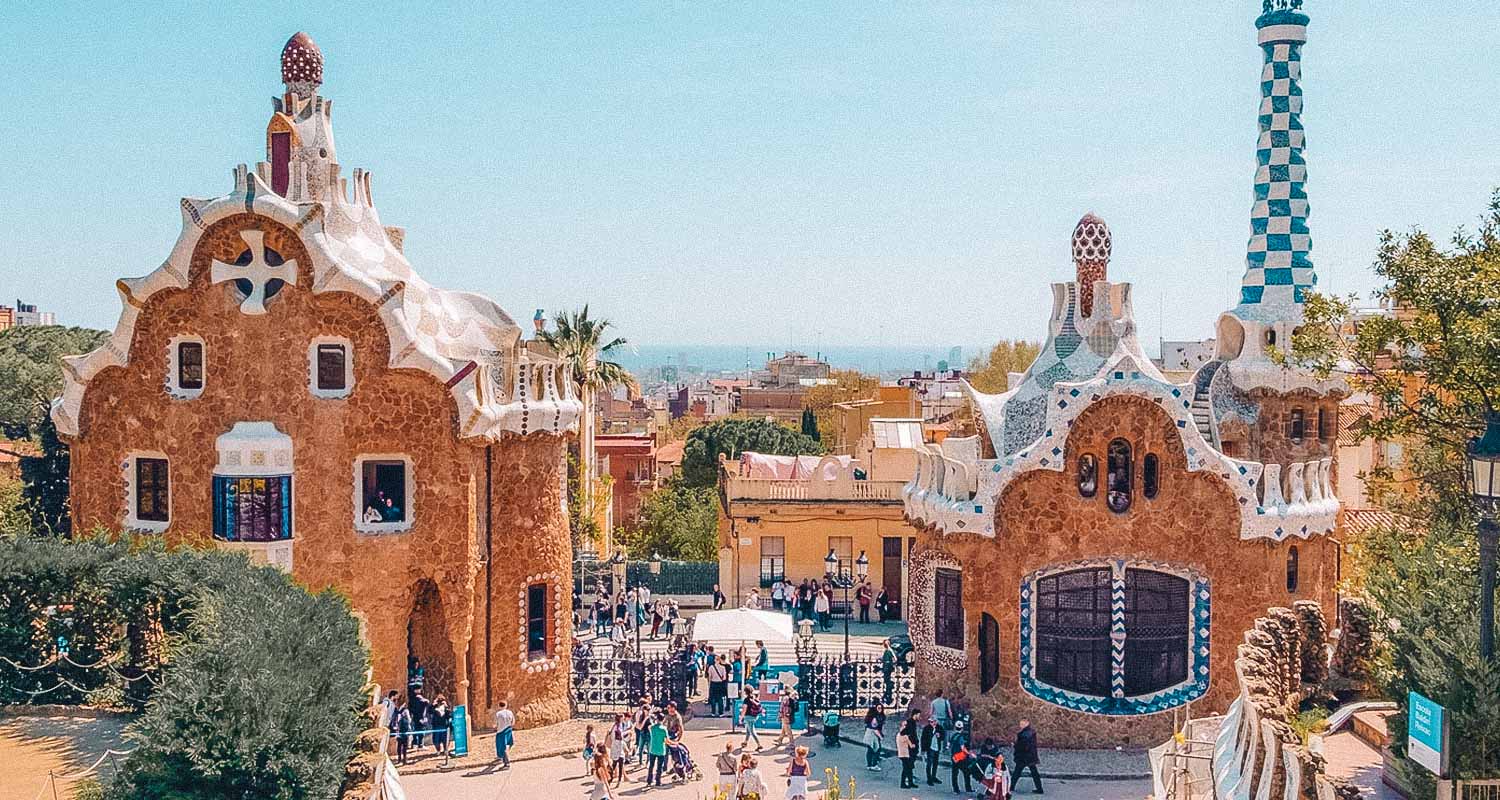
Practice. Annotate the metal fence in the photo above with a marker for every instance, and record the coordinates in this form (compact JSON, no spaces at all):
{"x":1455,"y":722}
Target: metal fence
{"x":1488,"y":789}
{"x":674,"y":577}
{"x":834,"y":683}
{"x":601,"y":684}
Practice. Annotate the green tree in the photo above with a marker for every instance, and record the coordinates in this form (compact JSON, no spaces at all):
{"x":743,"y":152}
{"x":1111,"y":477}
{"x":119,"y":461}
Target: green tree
{"x":810,"y":425}
{"x":587,"y":346}
{"x":31,"y":361}
{"x":677,"y":521}
{"x":700,"y":457}
{"x":1433,"y":365}
{"x":991,"y":373}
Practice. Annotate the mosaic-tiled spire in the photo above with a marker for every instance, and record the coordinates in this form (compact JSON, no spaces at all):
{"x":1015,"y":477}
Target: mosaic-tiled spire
{"x":1278,"y":262}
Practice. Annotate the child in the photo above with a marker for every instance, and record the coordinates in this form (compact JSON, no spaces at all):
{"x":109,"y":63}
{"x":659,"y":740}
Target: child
{"x":589,"y":746}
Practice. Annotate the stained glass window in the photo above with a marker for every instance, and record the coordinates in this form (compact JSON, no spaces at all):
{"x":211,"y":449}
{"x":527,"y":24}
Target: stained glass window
{"x":1119,"y":476}
{"x":253,"y":509}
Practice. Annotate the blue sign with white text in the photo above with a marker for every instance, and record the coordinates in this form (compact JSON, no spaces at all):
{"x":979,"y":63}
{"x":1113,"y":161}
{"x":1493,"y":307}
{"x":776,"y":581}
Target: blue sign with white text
{"x":460,"y":731}
{"x":1427,"y":733}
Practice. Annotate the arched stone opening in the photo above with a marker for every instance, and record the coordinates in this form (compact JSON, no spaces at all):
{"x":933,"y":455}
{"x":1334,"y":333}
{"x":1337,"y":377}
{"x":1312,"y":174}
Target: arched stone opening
{"x":429,"y":649}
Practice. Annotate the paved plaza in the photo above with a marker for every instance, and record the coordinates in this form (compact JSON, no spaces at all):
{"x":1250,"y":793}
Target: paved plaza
{"x":562,"y":776}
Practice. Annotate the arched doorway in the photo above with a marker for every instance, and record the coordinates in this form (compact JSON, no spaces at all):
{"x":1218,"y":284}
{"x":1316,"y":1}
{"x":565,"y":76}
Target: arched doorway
{"x":429,"y":650}
{"x":989,"y":653}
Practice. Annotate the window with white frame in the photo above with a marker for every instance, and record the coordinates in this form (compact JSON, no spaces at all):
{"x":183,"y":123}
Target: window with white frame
{"x":330,"y":362}
{"x":185,"y":367}
{"x":383,"y":491}
{"x":150,"y":492}
{"x":842,"y":548}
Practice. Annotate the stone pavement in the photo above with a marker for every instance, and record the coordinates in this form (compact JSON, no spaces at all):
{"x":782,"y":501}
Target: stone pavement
{"x":1352,"y":758}
{"x":476,"y":778}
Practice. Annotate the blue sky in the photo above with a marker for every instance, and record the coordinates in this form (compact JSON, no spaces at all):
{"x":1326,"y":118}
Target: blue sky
{"x":758,"y":173}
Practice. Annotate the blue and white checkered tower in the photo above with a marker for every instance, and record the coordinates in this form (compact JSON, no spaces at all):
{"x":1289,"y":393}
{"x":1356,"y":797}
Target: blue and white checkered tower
{"x":1278,"y":261}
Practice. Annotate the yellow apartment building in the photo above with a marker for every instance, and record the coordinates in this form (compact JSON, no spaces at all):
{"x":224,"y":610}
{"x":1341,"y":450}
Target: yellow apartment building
{"x":851,"y":419}
{"x":779,"y":516}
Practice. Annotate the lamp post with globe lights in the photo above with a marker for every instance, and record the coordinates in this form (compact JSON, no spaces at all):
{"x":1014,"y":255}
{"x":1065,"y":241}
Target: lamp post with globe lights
{"x":1484,"y":468}
{"x":846,"y":582}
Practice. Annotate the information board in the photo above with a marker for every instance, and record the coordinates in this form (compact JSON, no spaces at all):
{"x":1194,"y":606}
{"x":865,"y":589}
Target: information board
{"x":1427,"y":733}
{"x":460,"y":731}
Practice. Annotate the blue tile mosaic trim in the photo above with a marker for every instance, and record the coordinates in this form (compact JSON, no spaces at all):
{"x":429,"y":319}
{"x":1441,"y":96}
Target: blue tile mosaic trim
{"x":1118,"y":705}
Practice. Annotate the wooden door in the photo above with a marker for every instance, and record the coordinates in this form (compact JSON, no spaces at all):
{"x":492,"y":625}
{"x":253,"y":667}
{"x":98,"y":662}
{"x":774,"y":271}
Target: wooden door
{"x":890,"y":571}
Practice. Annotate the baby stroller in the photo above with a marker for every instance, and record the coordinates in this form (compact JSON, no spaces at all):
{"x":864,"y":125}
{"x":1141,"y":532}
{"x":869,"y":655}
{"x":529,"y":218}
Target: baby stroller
{"x":831,"y":729}
{"x":683,"y":768}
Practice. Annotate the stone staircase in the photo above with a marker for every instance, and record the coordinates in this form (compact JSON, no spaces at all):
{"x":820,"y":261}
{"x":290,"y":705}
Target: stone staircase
{"x":1201,"y":408}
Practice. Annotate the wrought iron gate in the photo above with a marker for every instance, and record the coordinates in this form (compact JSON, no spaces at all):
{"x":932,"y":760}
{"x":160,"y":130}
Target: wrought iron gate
{"x":836,"y":684}
{"x":606,"y":683}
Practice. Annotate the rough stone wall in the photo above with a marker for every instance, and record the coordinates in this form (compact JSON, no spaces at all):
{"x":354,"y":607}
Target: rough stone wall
{"x":1042,"y":521}
{"x":256,"y":368}
{"x":1315,"y":650}
{"x":529,"y":541}
{"x":1269,"y":438}
{"x":1356,"y":643}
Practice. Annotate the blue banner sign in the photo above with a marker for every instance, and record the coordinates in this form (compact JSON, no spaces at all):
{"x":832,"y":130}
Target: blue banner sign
{"x":1427,"y":733}
{"x":460,"y":731}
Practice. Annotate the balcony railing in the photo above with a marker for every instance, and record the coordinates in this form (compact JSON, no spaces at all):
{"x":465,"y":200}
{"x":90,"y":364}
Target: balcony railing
{"x":762,"y":489}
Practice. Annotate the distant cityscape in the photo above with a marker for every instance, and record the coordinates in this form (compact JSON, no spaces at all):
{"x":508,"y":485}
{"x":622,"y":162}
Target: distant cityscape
{"x":24,"y":314}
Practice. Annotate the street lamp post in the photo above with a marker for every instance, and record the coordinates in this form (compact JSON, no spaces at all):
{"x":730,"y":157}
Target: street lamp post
{"x":1484,"y":465}
{"x":846,"y":582}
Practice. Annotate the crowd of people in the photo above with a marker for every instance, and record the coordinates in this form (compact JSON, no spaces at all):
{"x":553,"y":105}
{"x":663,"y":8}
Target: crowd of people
{"x":414,"y":721}
{"x":813,"y":599}
{"x":629,"y":611}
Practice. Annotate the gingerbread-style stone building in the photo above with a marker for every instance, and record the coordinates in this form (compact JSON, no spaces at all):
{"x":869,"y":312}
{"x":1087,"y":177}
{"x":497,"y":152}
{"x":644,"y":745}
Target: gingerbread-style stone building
{"x":1091,"y":558}
{"x":285,"y":384}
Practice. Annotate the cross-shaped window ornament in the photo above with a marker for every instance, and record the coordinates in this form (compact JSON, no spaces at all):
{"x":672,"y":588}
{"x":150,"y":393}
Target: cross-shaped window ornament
{"x":258,"y":274}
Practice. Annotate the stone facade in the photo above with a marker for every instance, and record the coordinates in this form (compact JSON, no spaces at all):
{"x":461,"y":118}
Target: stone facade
{"x":1192,"y":523}
{"x":437,"y":382}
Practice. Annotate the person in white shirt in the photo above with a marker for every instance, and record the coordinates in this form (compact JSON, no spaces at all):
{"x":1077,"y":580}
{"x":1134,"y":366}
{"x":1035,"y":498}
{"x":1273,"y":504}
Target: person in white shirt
{"x":778,"y":594}
{"x":505,"y":721}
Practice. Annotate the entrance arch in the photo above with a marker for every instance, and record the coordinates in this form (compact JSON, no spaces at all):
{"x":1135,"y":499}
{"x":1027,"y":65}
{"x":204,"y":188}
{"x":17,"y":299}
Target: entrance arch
{"x":428,"y":644}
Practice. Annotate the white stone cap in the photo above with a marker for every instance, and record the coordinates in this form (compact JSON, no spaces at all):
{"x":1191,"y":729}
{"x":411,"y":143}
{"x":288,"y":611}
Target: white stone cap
{"x":253,"y":448}
{"x":1282,"y":33}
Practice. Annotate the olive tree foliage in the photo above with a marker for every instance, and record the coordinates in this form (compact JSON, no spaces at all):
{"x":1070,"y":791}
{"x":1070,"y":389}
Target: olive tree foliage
{"x":1431,"y":362}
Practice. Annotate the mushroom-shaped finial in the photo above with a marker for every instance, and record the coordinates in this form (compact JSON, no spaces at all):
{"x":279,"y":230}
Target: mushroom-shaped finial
{"x":1091,"y":248}
{"x":301,"y":65}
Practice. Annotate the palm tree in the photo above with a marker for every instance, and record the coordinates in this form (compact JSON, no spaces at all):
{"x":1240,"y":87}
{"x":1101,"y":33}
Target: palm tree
{"x":581,"y":341}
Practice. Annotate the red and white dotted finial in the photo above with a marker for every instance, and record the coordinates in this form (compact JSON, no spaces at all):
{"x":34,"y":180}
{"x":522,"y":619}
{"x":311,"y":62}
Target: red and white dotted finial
{"x":301,"y":65}
{"x":1091,"y":248}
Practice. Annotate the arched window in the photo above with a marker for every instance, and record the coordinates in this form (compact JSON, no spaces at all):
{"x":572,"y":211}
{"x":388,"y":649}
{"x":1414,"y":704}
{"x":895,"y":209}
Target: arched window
{"x":1291,"y":568}
{"x":989,"y":653}
{"x":1299,"y":425}
{"x":1156,"y":631}
{"x":1150,"y":476}
{"x":1118,"y":497}
{"x":1088,"y":475}
{"x":1072,"y":630}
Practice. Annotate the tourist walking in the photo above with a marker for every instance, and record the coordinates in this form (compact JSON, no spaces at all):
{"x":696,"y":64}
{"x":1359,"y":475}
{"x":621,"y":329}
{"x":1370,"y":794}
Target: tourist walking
{"x":932,"y":745}
{"x":617,"y":734}
{"x":778,"y":595}
{"x":590,"y":746}
{"x":505,"y":723}
{"x":750,"y":715}
{"x":442,"y":719}
{"x":719,"y":598}
{"x":1025,"y":755}
{"x":796,"y":775}
{"x":962,"y":759}
{"x":641,"y":723}
{"x":786,"y":713}
{"x":874,"y":736}
{"x":750,"y":785}
{"x":718,"y":685}
{"x":728,"y":768}
{"x":656,"y":756}
{"x":862,"y":595}
{"x":906,"y":749}
{"x":941,"y":711}
{"x":601,"y":770}
{"x":821,"y":607}
{"x":762,"y":661}
{"x":882,"y":605}
{"x":403,"y":727}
